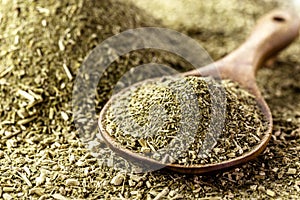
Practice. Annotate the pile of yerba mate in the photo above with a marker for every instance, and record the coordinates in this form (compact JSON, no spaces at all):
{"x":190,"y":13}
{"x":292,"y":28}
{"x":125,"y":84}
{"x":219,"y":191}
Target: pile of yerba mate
{"x":163,"y":113}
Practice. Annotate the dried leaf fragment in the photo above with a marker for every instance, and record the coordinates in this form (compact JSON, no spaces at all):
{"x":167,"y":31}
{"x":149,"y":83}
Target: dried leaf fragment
{"x":61,"y":45}
{"x":26,"y":95}
{"x":291,"y":171}
{"x":6,"y":71}
{"x":37,"y":191}
{"x":24,"y":177}
{"x":270,"y":193}
{"x":8,"y":189}
{"x":64,"y":115}
{"x":7,"y":196}
{"x":72,"y":182}
{"x":59,"y":197}
{"x":67,"y":71}
{"x":117,"y":180}
{"x":162,"y":194}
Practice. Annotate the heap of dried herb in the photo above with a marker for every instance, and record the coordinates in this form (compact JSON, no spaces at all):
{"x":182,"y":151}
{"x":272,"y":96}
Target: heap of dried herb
{"x":41,"y":154}
{"x":152,"y":116}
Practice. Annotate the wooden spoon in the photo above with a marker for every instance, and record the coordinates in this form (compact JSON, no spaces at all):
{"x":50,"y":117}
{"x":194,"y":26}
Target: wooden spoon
{"x":273,"y":32}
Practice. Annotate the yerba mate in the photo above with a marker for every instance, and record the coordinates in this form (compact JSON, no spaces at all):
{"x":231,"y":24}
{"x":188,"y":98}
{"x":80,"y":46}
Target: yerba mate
{"x":158,"y":120}
{"x":39,"y":162}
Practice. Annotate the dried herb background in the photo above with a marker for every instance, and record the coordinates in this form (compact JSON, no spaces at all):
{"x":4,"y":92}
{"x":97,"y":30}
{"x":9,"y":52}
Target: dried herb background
{"x":43,"y":43}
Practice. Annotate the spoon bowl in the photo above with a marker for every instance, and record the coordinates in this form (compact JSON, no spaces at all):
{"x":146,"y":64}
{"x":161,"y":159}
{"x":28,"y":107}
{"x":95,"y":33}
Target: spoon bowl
{"x":273,"y":32}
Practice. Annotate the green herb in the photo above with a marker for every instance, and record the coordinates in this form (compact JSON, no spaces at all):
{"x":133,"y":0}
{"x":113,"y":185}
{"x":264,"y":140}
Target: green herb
{"x":46,"y":159}
{"x":150,"y":117}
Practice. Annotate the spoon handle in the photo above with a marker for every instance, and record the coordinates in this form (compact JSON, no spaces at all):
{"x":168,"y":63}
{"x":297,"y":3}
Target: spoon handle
{"x":273,"y":32}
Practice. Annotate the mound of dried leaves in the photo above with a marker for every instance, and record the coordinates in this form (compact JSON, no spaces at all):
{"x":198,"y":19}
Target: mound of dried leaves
{"x":42,"y":45}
